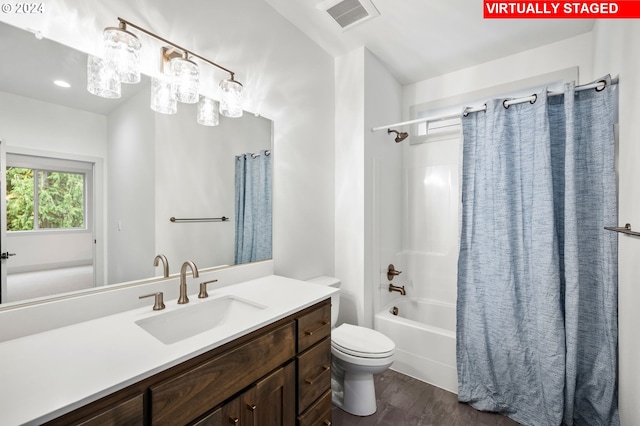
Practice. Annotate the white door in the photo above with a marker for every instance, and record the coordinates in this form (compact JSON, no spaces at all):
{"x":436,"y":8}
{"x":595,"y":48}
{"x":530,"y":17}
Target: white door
{"x":3,"y":228}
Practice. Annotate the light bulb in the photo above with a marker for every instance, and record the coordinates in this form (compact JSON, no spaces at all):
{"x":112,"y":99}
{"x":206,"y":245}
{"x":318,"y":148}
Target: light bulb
{"x":231,"y":102}
{"x":185,"y":79}
{"x":122,"y":52}
{"x":102,"y":80}
{"x":208,"y":112}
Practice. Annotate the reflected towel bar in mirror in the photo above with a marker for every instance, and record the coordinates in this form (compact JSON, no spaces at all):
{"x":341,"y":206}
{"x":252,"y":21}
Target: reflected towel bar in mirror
{"x":200,"y":219}
{"x":625,"y":230}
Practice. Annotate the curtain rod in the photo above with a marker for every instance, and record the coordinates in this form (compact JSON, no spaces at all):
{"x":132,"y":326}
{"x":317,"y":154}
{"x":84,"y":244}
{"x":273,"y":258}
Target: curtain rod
{"x":506,"y":104}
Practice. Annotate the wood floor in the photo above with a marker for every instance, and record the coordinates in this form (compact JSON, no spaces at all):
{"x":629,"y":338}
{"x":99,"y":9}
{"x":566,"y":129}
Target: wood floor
{"x":405,"y":401}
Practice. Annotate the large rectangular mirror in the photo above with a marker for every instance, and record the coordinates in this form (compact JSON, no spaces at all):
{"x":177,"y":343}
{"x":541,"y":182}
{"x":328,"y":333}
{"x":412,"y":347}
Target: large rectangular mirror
{"x":132,"y":168}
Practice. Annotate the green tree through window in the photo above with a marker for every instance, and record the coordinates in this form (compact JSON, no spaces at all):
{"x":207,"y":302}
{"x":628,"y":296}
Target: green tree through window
{"x":40,"y":199}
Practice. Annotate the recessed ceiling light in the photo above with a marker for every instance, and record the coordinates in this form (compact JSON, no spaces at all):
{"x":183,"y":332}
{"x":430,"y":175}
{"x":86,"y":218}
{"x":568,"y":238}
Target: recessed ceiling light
{"x":62,"y":83}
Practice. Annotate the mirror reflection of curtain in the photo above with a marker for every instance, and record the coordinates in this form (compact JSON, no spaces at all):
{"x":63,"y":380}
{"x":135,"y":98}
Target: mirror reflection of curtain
{"x":253,"y":207}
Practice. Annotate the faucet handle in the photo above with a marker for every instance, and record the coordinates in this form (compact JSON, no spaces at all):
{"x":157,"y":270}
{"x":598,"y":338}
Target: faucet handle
{"x":391,"y":272}
{"x":203,"y":289}
{"x":158,"y":304}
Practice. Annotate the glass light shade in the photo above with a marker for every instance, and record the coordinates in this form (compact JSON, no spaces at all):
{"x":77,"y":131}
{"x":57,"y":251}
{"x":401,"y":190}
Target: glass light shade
{"x":231,"y":102}
{"x":185,"y":80}
{"x":163,"y":98}
{"x":208,"y":112}
{"x":102,"y":80}
{"x":122,"y":52}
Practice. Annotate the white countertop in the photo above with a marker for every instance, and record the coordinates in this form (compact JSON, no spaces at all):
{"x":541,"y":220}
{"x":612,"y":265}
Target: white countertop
{"x":45,"y":375}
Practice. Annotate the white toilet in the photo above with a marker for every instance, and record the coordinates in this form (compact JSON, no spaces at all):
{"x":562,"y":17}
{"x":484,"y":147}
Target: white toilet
{"x":357,"y":354}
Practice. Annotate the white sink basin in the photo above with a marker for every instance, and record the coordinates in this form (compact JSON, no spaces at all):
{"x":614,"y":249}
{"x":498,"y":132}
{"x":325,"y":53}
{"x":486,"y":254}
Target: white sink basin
{"x":174,"y":326}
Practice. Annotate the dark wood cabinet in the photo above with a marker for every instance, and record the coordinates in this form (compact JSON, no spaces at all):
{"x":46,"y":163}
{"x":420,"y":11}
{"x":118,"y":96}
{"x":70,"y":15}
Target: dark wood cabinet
{"x":194,"y":392}
{"x":127,"y":412}
{"x":278,"y":375}
{"x":319,"y":413}
{"x":313,"y":364}
{"x":270,"y":402}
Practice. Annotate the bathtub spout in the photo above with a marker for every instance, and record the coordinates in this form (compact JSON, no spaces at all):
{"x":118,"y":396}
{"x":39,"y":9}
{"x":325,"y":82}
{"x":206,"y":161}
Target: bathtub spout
{"x":399,"y":289}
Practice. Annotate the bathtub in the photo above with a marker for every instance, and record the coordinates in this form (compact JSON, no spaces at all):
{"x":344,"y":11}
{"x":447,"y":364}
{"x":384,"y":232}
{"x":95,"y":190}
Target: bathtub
{"x":425,"y":338}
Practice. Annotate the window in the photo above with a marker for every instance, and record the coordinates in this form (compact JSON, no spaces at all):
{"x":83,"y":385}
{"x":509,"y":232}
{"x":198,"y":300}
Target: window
{"x":46,"y":193}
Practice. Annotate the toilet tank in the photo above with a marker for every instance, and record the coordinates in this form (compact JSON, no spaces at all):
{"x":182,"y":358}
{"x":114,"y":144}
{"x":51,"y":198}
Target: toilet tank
{"x":335,"y":298}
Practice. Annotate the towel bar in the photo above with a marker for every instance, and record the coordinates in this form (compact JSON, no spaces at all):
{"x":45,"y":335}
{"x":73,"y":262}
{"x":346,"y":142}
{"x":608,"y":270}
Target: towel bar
{"x":200,"y":219}
{"x":625,"y":230}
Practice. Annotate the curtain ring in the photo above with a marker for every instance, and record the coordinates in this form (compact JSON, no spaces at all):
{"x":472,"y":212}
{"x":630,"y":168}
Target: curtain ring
{"x":504,"y":104}
{"x":534,"y":100}
{"x":465,"y":113}
{"x":604,"y":82}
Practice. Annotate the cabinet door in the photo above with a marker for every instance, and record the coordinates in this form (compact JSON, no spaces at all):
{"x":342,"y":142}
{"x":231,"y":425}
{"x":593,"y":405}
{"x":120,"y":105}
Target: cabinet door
{"x":319,"y":414}
{"x":189,"y":395}
{"x":271,"y":402}
{"x":314,"y":373}
{"x":228,"y":414}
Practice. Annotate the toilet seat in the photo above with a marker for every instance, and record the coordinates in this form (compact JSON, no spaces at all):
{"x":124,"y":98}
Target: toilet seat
{"x":361,"y":342}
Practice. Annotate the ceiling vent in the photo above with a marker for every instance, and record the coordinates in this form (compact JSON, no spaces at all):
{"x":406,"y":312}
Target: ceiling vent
{"x":348,"y":13}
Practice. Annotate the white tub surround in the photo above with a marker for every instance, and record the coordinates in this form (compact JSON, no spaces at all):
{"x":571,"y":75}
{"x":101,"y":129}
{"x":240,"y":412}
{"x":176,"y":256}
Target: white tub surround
{"x":48,"y":374}
{"x":424,"y":334}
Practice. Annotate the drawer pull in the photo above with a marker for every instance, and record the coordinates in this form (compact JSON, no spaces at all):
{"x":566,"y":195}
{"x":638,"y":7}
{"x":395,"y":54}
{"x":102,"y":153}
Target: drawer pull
{"x":310,"y":333}
{"x":234,"y":420}
{"x":312,"y":380}
{"x":251,"y":407}
{"x":327,"y":422}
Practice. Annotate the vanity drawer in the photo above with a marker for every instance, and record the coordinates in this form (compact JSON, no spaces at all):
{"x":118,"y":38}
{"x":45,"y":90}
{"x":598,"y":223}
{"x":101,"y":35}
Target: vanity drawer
{"x":319,"y":414}
{"x":314,"y":373}
{"x":314,"y":326}
{"x":196,"y":391}
{"x":128,"y":412}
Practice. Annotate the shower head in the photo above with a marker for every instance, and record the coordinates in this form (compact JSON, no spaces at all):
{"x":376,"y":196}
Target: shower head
{"x":401,"y":135}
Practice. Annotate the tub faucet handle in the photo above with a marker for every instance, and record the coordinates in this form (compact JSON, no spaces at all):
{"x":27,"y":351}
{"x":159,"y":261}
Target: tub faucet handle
{"x":391,"y":272}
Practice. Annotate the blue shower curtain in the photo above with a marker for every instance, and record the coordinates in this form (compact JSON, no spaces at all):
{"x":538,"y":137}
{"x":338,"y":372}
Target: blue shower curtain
{"x":537,"y":273}
{"x":253,"y":207}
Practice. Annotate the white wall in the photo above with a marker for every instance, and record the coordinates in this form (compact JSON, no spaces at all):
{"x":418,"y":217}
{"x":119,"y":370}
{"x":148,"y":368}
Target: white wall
{"x":367,"y":177}
{"x":287,"y":78}
{"x":131,"y":193}
{"x":614,"y":47}
{"x":349,"y":181}
{"x":575,"y":51}
{"x":37,"y":125}
{"x":383,"y":200}
{"x":196,"y":178}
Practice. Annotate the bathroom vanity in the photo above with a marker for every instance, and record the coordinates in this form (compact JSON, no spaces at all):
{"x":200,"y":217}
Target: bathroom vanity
{"x":268,"y":367}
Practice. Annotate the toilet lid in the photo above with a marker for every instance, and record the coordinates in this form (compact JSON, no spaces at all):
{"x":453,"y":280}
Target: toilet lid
{"x":362,"y":342}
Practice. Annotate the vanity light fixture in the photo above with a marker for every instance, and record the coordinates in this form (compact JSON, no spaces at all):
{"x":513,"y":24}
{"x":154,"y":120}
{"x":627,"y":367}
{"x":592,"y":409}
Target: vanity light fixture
{"x":185,"y":76}
{"x":163,"y":97}
{"x":231,"y":102}
{"x":122,"y":54}
{"x":102,"y":80}
{"x":208,"y":111}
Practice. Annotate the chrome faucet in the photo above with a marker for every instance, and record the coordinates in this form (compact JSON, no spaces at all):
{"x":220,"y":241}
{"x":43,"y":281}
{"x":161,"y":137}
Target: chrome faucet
{"x":399,"y":289}
{"x":183,"y":280}
{"x":165,"y":263}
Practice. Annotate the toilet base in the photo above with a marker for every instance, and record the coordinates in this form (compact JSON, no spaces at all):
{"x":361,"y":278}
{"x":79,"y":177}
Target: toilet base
{"x":358,"y":397}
